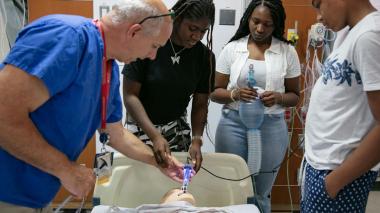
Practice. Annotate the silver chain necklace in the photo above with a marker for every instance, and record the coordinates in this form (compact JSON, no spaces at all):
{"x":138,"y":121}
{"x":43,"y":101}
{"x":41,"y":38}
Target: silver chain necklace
{"x":176,"y":57}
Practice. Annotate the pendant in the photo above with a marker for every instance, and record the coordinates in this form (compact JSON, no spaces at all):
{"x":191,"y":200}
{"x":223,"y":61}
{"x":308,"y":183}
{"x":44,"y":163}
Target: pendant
{"x":175,"y":59}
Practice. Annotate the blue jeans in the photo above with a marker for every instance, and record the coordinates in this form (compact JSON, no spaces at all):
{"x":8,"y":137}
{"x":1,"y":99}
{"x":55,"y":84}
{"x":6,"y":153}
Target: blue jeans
{"x":231,"y":137}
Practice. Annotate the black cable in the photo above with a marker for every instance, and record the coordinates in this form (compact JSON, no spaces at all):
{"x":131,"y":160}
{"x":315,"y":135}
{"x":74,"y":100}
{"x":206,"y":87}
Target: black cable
{"x":254,"y":174}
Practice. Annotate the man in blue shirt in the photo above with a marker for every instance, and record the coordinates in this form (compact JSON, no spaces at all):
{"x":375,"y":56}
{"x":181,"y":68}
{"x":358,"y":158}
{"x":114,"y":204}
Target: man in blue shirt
{"x":51,"y":96}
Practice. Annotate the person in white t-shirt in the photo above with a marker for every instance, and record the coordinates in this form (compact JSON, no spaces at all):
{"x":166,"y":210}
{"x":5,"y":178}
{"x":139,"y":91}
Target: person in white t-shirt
{"x":342,"y":133}
{"x":258,"y":47}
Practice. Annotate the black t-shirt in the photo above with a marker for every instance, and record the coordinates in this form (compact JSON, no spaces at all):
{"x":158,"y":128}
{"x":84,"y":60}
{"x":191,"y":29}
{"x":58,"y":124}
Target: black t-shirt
{"x":166,"y":88}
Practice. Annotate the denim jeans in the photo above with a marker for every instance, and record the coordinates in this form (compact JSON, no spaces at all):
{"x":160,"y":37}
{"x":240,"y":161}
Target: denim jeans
{"x":231,"y":137}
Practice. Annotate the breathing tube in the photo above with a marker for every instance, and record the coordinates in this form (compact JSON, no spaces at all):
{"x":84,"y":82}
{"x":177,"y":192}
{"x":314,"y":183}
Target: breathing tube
{"x":186,"y":177}
{"x":252,"y":115}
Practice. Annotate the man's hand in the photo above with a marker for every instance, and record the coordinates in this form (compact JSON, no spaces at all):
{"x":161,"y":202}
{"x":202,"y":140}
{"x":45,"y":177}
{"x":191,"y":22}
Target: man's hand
{"x":161,"y":151}
{"x":174,"y":169}
{"x":78,"y":180}
{"x":196,"y":154}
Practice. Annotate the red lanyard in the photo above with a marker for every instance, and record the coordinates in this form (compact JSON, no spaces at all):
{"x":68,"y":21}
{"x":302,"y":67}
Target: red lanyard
{"x":106,"y":77}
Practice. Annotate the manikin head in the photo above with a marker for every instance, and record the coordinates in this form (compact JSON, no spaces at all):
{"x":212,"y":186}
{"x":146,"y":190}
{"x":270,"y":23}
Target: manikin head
{"x":177,"y":195}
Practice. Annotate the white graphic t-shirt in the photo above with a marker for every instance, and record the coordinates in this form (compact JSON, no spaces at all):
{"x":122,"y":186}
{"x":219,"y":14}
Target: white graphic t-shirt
{"x":339,"y":115}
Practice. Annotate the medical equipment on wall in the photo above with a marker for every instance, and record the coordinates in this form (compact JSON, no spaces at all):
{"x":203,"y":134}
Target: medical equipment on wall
{"x":252,"y":115}
{"x":319,"y":44}
{"x":321,"y":36}
{"x":317,"y":34}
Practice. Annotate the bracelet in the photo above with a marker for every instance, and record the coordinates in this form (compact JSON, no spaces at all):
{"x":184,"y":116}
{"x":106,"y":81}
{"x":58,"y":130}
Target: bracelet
{"x":232,"y":95}
{"x":197,"y":137}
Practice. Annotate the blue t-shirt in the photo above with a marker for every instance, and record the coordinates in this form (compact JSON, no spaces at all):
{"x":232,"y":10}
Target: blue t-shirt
{"x":65,"y":52}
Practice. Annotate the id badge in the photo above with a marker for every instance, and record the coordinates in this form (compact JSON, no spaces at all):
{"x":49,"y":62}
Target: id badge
{"x":103,"y":166}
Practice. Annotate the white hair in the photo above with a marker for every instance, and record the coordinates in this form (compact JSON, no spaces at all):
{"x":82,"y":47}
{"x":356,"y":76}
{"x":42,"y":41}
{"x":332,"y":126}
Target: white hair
{"x":134,"y":11}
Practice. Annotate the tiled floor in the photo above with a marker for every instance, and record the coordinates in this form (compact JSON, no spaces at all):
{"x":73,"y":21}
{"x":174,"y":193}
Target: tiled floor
{"x":373,"y":205}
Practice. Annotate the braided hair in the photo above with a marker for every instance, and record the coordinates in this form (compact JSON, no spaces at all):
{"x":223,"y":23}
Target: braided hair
{"x":195,"y":10}
{"x":277,"y":12}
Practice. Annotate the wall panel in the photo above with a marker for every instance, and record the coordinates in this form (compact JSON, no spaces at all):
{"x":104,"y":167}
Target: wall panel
{"x":38,"y":8}
{"x":302,"y":12}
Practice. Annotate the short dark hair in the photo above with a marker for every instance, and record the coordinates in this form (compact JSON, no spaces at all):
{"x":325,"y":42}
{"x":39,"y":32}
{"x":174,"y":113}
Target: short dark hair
{"x":277,"y":12}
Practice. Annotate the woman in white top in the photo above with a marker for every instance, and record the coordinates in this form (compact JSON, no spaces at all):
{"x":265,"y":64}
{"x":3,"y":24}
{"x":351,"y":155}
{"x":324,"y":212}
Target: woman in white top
{"x":258,"y":44}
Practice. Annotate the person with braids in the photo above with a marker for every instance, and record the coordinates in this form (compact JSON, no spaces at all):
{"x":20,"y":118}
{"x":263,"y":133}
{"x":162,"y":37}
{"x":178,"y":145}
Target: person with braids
{"x":258,"y":45}
{"x":157,"y":92}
